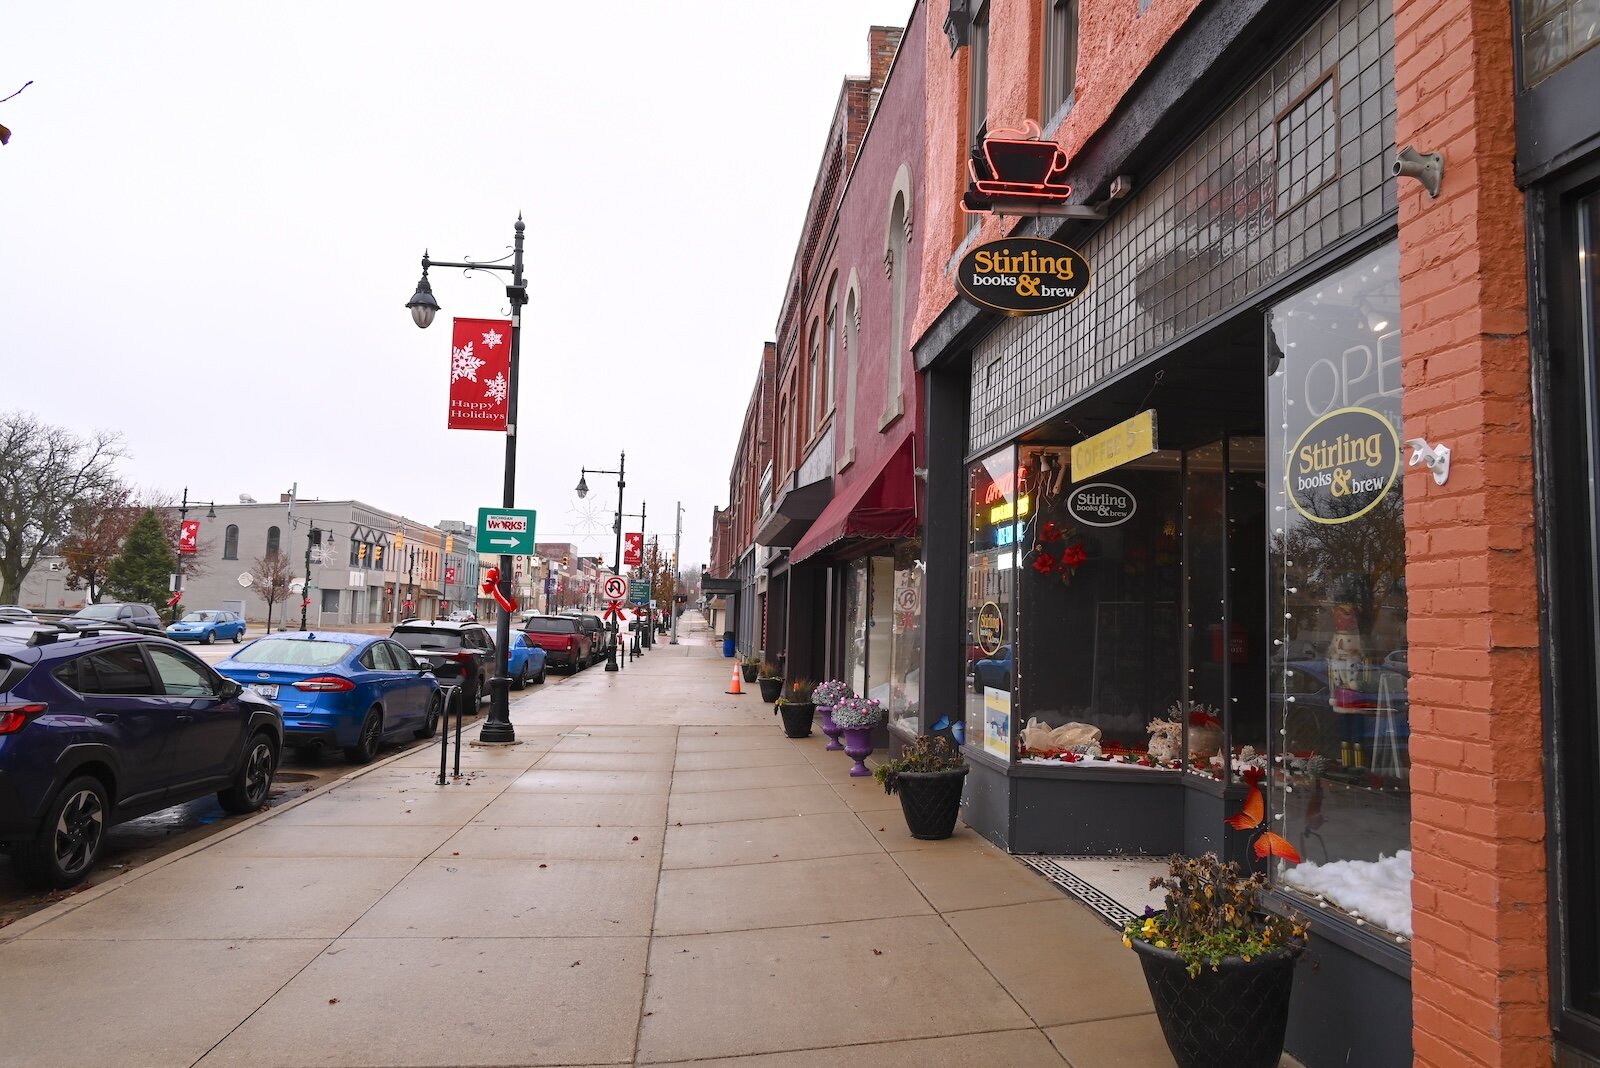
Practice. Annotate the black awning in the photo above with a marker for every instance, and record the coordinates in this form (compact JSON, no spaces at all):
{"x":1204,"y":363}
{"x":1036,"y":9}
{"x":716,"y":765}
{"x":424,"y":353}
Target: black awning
{"x":794,"y":513}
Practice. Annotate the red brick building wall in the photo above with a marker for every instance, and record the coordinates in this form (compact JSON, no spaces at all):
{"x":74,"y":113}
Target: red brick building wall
{"x":1479,"y":975}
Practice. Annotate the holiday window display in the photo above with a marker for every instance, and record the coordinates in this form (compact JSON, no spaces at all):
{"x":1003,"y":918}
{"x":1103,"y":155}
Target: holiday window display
{"x":1338,"y":789}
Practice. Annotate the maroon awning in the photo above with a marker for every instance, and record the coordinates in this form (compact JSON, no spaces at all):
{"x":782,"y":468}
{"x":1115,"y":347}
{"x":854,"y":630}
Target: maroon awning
{"x":883,"y":506}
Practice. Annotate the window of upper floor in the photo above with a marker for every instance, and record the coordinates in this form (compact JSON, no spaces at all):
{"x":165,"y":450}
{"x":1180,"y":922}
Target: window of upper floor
{"x":1060,"y":55}
{"x":977,"y":83}
{"x":230,"y":542}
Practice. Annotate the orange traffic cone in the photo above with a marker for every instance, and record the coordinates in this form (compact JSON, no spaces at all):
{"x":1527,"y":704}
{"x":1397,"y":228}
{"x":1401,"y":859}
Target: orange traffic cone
{"x":736,"y":690}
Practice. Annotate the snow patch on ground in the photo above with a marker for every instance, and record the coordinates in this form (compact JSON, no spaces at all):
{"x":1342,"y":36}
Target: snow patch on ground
{"x":1378,"y":891}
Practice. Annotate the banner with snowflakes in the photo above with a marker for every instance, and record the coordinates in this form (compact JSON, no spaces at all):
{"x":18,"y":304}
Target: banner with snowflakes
{"x":480,"y":364}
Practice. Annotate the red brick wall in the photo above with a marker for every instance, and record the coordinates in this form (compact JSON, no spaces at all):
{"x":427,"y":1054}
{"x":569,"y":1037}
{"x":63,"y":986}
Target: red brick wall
{"x":1479,"y":977}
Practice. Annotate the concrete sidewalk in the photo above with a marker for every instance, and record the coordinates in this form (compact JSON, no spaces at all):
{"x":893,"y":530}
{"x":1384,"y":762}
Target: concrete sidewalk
{"x":652,"y":875}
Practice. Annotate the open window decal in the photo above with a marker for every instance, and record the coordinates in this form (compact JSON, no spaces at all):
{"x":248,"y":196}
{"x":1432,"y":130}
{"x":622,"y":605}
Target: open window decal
{"x":1016,"y":165}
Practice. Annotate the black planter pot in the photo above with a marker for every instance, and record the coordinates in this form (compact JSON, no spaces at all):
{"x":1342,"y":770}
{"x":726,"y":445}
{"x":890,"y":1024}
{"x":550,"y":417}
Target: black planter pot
{"x":771,"y":689}
{"x":797,"y":718}
{"x":930,"y":800}
{"x":748,"y":671}
{"x":1235,"y":1015}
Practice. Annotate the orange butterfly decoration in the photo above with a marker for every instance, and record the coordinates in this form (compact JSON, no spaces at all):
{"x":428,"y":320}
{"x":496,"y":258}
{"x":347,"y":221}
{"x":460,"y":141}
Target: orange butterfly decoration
{"x":1254,"y":814}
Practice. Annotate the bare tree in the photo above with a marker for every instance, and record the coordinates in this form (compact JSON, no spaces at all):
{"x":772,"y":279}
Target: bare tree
{"x":270,"y":577}
{"x":99,"y":526}
{"x":46,"y":473}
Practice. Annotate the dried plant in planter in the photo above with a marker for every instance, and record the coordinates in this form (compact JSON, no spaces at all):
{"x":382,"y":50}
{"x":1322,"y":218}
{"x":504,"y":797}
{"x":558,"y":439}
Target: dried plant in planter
{"x":1212,"y":913}
{"x":797,"y":692}
{"x":926,"y":753}
{"x":768,"y":670}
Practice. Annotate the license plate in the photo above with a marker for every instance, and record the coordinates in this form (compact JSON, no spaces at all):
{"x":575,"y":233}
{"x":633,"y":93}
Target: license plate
{"x":265,"y":689}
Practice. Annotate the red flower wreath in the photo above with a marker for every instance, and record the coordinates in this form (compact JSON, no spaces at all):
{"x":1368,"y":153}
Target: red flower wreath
{"x":1074,"y":555}
{"x":1044,"y":563}
{"x":1049,"y":532}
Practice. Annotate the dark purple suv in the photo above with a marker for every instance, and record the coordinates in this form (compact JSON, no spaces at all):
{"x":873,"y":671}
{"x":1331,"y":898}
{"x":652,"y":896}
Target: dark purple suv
{"x":98,"y":727}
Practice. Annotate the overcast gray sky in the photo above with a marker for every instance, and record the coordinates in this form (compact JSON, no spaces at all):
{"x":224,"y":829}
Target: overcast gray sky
{"x":211,"y":216}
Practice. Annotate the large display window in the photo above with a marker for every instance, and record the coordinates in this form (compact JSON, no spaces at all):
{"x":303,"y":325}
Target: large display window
{"x":1336,"y":550}
{"x":998,"y":511}
{"x":883,"y":631}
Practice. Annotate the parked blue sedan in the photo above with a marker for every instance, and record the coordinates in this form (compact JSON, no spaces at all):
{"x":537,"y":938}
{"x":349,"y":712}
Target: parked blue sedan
{"x":526,"y":660}
{"x":355,"y":691}
{"x":207,"y":626}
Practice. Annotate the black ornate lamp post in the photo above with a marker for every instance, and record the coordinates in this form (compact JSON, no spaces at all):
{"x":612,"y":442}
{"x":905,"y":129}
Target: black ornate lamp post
{"x":183,"y":516}
{"x":642,"y":643}
{"x":497,"y":728}
{"x":305,"y":593}
{"x":583,"y":491}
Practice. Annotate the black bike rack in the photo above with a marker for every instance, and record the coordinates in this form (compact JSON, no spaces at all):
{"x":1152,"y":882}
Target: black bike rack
{"x":449,"y":693}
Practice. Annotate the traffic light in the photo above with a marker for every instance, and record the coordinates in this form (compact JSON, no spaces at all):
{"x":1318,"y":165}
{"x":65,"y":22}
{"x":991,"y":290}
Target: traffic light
{"x":563,"y":561}
{"x":449,"y":544}
{"x":399,"y":543}
{"x":361,"y":552}
{"x":377,"y":554}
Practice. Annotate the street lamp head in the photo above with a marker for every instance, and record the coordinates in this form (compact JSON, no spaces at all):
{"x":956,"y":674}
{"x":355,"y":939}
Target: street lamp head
{"x":583,"y":487}
{"x":211,"y":513}
{"x":423,"y":306}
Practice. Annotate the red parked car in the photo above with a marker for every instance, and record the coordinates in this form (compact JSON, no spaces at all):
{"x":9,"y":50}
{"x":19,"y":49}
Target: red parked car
{"x":563,"y":640}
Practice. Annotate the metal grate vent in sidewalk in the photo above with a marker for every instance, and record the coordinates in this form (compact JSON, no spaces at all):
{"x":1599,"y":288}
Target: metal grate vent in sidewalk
{"x":1115,"y":887}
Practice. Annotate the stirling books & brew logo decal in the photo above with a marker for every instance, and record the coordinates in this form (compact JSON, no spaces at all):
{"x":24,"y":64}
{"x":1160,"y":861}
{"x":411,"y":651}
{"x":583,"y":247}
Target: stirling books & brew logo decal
{"x":1023,"y":275}
{"x":1101,"y":504}
{"x":1343,"y":465}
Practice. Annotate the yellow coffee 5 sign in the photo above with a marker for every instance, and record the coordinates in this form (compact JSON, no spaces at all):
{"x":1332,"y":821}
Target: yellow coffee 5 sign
{"x":1023,"y":275}
{"x":1343,"y":465}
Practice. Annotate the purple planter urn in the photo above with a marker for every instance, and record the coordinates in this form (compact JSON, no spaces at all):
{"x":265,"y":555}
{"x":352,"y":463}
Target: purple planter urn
{"x":858,"y":746}
{"x":829,"y":728}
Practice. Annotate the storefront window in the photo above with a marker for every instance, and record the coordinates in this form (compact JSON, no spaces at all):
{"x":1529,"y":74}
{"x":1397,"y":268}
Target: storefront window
{"x":1100,"y":617}
{"x":997,"y":513}
{"x":855,"y":620}
{"x":1338,"y":672}
{"x":905,"y":672}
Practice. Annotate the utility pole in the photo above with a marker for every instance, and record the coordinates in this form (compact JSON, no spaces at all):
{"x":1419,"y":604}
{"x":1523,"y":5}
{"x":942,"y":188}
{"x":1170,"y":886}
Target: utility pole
{"x":677,"y":544}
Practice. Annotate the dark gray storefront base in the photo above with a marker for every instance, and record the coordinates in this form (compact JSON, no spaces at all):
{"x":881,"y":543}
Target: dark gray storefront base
{"x":1352,"y":993}
{"x":1351,"y":1003}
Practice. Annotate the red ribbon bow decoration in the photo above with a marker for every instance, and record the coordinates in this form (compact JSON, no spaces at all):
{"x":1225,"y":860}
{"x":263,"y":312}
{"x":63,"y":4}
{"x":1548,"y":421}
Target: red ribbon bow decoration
{"x":491,"y":586}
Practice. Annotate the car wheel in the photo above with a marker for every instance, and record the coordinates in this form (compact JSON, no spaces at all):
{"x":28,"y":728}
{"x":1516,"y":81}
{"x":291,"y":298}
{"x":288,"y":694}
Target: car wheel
{"x":368,"y":740}
{"x":238,"y":636}
{"x":539,"y":678}
{"x":435,"y":708}
{"x":70,"y":839}
{"x":521,"y":681}
{"x":210,"y":638}
{"x":253,"y":782}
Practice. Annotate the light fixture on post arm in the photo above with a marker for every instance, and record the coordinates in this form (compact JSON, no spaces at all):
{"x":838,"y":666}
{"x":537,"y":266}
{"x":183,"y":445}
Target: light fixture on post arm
{"x":183,"y":518}
{"x":423,"y":307}
{"x":582,"y":490}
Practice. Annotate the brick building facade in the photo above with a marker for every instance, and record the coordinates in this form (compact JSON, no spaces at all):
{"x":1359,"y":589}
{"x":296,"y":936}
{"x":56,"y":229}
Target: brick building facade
{"x":1413,"y":669}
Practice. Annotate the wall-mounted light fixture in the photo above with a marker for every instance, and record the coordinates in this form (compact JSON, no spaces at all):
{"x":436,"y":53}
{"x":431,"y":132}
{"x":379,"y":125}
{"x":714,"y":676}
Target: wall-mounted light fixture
{"x":1425,"y":167}
{"x":958,"y":24}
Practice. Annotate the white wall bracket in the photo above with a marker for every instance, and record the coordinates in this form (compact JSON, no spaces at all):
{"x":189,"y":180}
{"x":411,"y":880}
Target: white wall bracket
{"x":1435,"y":458}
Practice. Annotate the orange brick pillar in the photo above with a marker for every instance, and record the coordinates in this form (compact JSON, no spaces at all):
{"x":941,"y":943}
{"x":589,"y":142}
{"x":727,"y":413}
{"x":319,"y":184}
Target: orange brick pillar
{"x":1480,"y":974}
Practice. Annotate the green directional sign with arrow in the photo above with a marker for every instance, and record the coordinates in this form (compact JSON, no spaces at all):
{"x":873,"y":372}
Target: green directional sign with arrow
{"x":506,"y":531}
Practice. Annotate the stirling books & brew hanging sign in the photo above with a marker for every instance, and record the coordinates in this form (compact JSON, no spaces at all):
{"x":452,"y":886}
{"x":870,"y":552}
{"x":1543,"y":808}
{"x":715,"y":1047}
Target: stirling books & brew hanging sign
{"x":1343,"y":465}
{"x":1023,"y":275}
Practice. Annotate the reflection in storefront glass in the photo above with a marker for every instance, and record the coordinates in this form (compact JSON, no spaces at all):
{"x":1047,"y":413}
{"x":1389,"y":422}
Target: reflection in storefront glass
{"x":1337,"y":679}
{"x":905,"y":671}
{"x":995,"y":504}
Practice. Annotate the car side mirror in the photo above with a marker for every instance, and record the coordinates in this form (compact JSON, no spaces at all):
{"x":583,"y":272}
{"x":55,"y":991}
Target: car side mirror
{"x":425,"y":669}
{"x":231,"y":689}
